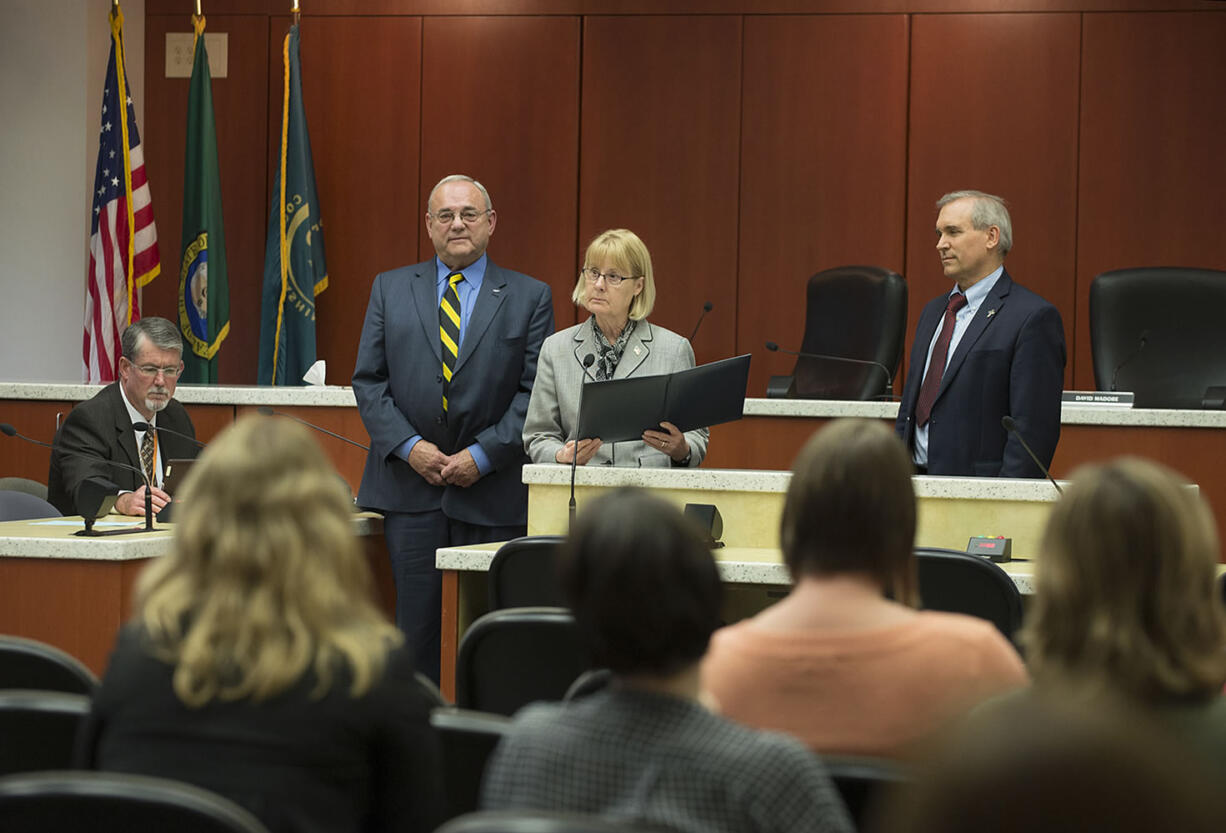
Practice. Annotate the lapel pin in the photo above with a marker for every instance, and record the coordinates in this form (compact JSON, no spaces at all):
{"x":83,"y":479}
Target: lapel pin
{"x":638,"y":350}
{"x":497,"y":292}
{"x":991,"y":312}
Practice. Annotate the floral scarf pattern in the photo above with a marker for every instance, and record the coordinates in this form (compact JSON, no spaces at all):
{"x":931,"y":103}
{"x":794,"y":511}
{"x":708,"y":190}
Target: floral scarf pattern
{"x":608,"y":355}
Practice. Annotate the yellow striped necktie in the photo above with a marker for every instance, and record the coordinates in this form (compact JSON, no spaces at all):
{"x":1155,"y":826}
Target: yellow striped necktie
{"x":449,"y":329}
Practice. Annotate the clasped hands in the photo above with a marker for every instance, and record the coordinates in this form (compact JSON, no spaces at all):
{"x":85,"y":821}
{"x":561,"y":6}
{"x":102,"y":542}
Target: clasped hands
{"x":670,"y":440}
{"x":439,"y":469}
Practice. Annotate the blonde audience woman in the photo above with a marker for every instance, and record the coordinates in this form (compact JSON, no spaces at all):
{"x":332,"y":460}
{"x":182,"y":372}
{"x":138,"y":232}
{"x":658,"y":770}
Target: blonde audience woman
{"x":1127,"y":605}
{"x":846,"y":662}
{"x":257,"y":664}
{"x":617,"y":287}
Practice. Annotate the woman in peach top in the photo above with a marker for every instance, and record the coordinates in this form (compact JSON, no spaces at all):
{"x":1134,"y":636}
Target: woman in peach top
{"x":846,"y":662}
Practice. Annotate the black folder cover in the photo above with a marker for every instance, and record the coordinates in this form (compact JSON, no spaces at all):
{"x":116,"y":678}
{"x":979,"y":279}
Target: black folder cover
{"x":699,"y":397}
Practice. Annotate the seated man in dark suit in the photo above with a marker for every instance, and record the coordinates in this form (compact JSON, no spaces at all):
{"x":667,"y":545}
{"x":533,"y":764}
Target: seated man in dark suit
{"x":102,"y":429}
{"x":988,"y":349}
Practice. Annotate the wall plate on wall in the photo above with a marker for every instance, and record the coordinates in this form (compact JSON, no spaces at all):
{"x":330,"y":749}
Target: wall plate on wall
{"x":179,"y":55}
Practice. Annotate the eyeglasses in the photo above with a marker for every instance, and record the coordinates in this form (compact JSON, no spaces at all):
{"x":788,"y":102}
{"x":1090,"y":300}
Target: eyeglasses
{"x":610,"y":278}
{"x":152,"y":370}
{"x":468,"y":215}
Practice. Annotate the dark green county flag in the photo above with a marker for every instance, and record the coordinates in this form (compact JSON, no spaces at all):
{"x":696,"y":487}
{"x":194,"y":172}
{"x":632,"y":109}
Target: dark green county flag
{"x":204,"y":295}
{"x":295,"y":270}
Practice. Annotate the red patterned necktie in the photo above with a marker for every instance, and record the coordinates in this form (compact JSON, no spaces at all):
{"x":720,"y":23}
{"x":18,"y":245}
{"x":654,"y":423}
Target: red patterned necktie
{"x":936,"y":367}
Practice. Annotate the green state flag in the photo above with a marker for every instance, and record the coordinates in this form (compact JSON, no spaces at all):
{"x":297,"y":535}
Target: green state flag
{"x":295,"y":270}
{"x":204,"y":294}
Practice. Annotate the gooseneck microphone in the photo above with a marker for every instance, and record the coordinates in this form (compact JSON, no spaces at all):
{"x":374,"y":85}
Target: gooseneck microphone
{"x":1136,"y":351}
{"x":144,"y":426}
{"x":1009,"y":425}
{"x":707,"y":307}
{"x":889,"y":378}
{"x":587,"y":362}
{"x":265,"y":411}
{"x":9,"y":430}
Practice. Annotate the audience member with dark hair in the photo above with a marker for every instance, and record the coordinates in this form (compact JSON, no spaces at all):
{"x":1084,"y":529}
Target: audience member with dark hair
{"x":1051,"y":765}
{"x":646,"y":595}
{"x":839,"y":663}
{"x":1126,"y":602}
{"x":257,"y":664}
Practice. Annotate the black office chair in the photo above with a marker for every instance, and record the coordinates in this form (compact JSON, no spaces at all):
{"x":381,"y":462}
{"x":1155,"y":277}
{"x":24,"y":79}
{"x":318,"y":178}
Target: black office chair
{"x":433,"y":694}
{"x":509,"y":658}
{"x":23,"y":506}
{"x":541,"y":821}
{"x":38,"y":729}
{"x":524,"y":573}
{"x":863,"y":783}
{"x":24,"y":484}
{"x":1159,"y":332}
{"x":854,"y":312}
{"x":466,"y":739}
{"x":589,"y":682}
{"x":27,"y":663}
{"x":107,"y":802}
{"x":960,"y":583}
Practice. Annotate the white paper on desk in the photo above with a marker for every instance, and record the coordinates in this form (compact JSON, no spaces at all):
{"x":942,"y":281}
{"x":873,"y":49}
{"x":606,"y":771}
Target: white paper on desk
{"x":78,"y":522}
{"x":315,"y":375}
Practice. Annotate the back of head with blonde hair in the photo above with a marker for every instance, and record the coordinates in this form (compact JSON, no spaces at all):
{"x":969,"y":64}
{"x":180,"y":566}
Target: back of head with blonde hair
{"x":850,"y":508}
{"x":266,"y":579}
{"x":1126,"y":597}
{"x":627,"y":252}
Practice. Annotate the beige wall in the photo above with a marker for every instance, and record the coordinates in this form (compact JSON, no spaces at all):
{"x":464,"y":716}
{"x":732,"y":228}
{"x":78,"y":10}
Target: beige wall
{"x":53,"y":57}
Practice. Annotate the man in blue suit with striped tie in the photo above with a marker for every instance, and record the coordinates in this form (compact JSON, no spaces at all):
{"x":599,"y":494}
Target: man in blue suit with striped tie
{"x":444,"y":371}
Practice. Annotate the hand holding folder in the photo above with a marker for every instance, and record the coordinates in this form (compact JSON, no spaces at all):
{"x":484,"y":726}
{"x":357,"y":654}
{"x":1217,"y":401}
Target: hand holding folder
{"x":618,"y":410}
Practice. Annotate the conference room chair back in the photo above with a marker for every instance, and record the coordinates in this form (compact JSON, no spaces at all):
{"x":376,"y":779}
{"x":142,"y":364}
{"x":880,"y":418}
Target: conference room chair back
{"x":524,"y":573}
{"x":433,"y":694}
{"x":1158,"y":332}
{"x":589,"y":682}
{"x":27,"y":663}
{"x":106,"y":802}
{"x":960,"y":583}
{"x":852,"y":312}
{"x":24,"y":484}
{"x":541,"y":821}
{"x":509,"y":658}
{"x":38,"y":729}
{"x":864,"y":783}
{"x":466,"y":740}
{"x":23,"y":506}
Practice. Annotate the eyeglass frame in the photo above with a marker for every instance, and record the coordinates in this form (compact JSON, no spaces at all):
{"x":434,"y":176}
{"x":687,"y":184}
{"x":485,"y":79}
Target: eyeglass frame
{"x":611,"y":279}
{"x":151,"y":371}
{"x":478,"y":213}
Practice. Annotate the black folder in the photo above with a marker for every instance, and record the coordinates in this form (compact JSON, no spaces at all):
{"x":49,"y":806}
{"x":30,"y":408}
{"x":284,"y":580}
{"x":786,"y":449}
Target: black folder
{"x":699,"y":397}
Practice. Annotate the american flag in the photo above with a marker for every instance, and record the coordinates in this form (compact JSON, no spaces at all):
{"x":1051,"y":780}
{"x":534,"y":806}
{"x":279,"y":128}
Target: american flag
{"x":123,"y":242}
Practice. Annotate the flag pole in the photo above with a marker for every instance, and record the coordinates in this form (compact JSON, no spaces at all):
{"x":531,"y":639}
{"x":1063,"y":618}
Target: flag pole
{"x":297,"y":12}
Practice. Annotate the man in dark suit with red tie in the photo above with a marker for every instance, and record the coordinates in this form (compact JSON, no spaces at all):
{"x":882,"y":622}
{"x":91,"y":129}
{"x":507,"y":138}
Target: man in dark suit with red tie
{"x":990,"y":348}
{"x":444,"y":371}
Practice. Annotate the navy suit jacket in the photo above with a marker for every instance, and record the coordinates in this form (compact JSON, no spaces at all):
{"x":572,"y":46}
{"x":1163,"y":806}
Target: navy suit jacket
{"x":1010,"y":362}
{"x":398,"y":382}
{"x":101,"y":428}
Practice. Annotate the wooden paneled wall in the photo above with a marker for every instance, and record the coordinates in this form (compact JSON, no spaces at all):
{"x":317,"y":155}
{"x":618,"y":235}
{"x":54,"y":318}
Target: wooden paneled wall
{"x":748,"y":146}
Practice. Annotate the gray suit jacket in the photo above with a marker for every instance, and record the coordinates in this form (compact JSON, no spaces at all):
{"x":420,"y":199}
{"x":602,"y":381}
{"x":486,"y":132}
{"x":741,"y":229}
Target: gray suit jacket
{"x":554,"y":406}
{"x":398,"y":383}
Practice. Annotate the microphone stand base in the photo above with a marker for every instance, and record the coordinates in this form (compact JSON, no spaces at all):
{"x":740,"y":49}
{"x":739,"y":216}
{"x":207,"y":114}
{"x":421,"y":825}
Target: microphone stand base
{"x":93,"y":533}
